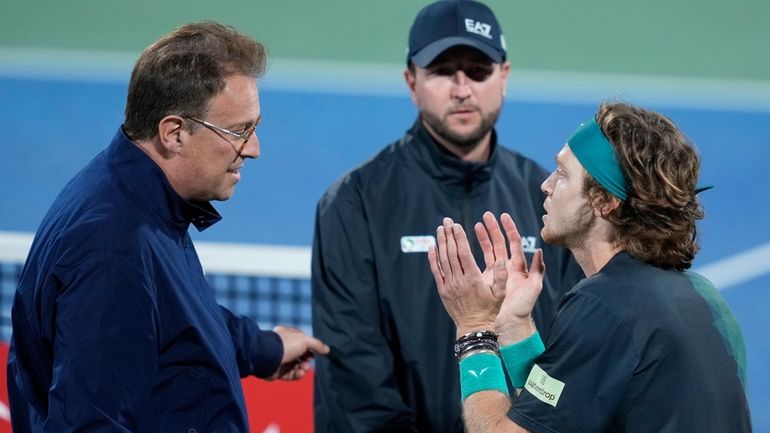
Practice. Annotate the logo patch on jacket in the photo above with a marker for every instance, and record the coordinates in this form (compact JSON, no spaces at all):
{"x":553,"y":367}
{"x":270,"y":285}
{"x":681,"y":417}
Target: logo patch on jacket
{"x":417,"y":244}
{"x":528,"y":244}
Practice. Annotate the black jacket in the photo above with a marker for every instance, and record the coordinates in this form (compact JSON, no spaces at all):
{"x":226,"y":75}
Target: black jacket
{"x":391,"y":366}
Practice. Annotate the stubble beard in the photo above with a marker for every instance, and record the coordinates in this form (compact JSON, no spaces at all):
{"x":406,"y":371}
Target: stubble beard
{"x":576,"y":233}
{"x":463,"y":141}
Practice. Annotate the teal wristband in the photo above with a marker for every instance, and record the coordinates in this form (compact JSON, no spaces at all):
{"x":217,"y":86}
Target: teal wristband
{"x":520,"y":357}
{"x":481,"y":372}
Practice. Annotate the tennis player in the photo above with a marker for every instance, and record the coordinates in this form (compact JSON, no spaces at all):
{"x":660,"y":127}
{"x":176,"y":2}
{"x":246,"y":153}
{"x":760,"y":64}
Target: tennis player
{"x":640,"y":345}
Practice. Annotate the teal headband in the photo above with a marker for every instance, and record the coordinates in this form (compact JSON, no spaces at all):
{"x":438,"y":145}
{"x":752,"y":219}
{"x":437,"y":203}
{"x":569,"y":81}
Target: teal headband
{"x":597,"y":156}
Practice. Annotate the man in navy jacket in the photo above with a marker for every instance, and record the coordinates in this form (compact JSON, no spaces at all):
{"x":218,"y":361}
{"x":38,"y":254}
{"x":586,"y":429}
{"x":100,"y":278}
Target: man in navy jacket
{"x":114,"y":325}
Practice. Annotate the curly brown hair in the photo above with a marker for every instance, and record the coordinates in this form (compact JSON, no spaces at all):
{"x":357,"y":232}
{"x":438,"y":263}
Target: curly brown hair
{"x":183,"y":70}
{"x":656,"y":223}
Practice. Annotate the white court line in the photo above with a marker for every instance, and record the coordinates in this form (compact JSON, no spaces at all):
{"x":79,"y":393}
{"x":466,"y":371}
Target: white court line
{"x":14,"y":246}
{"x":254,"y":260}
{"x":378,"y":79}
{"x":294,"y":262}
{"x":739,"y":268}
{"x":222,"y":258}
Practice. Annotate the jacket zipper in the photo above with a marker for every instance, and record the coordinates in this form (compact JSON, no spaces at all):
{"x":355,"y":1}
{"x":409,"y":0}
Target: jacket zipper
{"x":467,"y":221}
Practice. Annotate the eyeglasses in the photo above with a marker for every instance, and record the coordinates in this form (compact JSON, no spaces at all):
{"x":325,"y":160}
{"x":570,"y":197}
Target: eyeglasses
{"x":243,"y":135}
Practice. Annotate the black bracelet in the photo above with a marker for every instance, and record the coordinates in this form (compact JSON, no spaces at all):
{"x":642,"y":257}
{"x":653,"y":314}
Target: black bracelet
{"x":476,"y":335}
{"x":459,"y":347}
{"x":483,"y":346}
{"x":478,"y":340}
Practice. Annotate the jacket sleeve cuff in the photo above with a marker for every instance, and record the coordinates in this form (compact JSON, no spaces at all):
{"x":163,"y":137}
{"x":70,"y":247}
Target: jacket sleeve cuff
{"x":270,"y":354}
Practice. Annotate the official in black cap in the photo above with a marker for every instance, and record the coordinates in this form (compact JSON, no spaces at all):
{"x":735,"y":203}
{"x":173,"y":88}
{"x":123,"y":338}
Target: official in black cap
{"x":374,"y":297}
{"x":446,"y":24}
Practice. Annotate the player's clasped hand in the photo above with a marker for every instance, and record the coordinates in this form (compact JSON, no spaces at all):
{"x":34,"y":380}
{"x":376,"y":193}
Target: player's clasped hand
{"x":471,"y":298}
{"x":523,"y":286}
{"x":502,"y":297}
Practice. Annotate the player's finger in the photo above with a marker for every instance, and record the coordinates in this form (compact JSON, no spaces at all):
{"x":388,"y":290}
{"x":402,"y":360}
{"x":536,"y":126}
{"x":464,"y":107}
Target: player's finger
{"x":435,"y":268}
{"x":537,"y":269}
{"x":451,"y":248}
{"x":518,"y":260}
{"x":486,"y":245}
{"x":464,"y":250}
{"x":500,"y":277}
{"x":443,"y":255}
{"x":496,"y":235}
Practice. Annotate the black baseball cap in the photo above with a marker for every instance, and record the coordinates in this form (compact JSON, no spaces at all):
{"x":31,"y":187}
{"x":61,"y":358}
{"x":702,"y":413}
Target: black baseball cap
{"x":448,"y":23}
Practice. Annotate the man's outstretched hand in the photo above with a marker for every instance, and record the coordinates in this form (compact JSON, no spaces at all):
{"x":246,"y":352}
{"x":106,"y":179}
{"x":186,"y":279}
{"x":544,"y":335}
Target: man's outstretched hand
{"x":298,"y":351}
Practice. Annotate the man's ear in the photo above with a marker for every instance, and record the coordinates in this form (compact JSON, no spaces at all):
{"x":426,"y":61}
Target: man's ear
{"x":605,"y":204}
{"x":410,"y":79}
{"x":171,"y":133}
{"x":505,"y":69}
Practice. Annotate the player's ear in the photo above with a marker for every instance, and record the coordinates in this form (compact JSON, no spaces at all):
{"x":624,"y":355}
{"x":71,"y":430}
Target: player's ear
{"x":604,"y":204}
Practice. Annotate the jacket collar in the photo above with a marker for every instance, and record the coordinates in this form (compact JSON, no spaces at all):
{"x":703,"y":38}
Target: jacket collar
{"x":443,"y":165}
{"x":139,"y":173}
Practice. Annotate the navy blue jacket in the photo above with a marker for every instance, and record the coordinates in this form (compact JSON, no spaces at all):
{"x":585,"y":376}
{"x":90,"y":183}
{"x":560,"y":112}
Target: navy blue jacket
{"x":115,"y":327}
